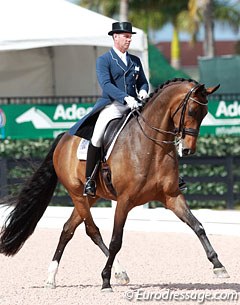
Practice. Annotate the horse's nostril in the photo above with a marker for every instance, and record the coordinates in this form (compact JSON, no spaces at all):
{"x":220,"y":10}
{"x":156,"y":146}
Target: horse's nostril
{"x":187,"y":151}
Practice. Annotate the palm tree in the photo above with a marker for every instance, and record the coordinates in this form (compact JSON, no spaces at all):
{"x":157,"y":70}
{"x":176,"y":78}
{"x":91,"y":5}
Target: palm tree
{"x":154,"y":14}
{"x":185,"y":15}
{"x":123,"y":11}
{"x":206,"y":12}
{"x":145,"y":14}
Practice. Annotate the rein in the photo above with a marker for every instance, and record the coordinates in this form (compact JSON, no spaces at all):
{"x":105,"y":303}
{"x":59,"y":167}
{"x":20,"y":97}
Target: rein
{"x":154,"y":128}
{"x":180,"y":131}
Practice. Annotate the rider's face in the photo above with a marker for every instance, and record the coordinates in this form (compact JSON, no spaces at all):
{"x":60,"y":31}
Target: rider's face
{"x":122,"y":41}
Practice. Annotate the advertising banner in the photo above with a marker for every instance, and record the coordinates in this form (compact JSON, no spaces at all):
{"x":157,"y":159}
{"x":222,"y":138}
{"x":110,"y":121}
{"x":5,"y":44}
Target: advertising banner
{"x":223,"y":118}
{"x":33,"y":121}
{"x":39,"y":121}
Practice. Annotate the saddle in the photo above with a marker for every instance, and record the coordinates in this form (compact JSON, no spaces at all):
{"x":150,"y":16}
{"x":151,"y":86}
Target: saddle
{"x":111,"y":132}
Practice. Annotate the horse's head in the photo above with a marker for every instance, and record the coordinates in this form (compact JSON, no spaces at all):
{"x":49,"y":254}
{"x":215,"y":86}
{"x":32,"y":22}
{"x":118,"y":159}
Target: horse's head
{"x":188,"y":111}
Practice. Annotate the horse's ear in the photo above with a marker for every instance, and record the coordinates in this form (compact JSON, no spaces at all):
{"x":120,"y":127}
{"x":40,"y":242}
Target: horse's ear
{"x":200,"y":88}
{"x":210,"y":90}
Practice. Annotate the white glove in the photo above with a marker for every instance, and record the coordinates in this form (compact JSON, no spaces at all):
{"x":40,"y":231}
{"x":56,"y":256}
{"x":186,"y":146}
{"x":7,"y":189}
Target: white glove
{"x":142,"y":94}
{"x":131,"y":102}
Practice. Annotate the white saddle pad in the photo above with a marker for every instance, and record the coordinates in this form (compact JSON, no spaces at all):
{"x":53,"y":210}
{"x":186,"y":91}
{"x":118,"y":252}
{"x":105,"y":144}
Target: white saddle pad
{"x":83,"y":145}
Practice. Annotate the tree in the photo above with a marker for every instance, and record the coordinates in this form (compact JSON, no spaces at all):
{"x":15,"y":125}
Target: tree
{"x":123,"y":12}
{"x":184,"y":15}
{"x":154,"y":14}
{"x":145,"y":14}
{"x":208,"y":11}
{"x":207,"y":14}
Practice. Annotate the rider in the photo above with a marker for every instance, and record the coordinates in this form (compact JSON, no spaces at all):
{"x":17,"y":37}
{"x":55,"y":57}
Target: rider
{"x":122,"y":80}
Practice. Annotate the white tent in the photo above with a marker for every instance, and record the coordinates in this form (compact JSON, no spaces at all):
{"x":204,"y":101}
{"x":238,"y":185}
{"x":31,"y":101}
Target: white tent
{"x":49,"y":47}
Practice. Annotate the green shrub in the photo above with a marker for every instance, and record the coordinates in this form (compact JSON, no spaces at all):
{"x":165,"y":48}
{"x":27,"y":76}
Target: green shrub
{"x":207,"y":146}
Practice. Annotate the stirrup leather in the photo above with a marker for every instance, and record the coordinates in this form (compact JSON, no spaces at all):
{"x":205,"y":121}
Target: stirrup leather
{"x":90,"y":188}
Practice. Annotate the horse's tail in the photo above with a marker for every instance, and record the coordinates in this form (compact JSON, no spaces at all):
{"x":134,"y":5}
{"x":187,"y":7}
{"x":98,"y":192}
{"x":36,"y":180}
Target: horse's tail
{"x":29,"y":205}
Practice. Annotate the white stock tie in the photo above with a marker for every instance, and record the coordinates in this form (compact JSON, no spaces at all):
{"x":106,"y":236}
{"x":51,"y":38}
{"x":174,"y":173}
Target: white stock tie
{"x":124,"y":59}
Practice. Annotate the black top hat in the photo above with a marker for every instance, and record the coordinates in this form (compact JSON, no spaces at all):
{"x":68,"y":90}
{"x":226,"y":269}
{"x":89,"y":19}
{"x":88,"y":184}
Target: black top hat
{"x":121,"y":27}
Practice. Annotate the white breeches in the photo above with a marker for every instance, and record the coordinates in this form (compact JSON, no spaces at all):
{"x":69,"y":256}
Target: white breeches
{"x":110,"y":112}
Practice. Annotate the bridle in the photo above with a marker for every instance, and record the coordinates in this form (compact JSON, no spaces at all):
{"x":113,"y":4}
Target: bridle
{"x":179,"y":132}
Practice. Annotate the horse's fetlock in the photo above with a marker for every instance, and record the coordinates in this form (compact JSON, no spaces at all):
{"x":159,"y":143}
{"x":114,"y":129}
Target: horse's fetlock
{"x":212,"y":255}
{"x":106,"y":274}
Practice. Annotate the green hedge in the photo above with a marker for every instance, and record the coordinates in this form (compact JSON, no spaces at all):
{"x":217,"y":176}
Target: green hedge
{"x":207,"y":146}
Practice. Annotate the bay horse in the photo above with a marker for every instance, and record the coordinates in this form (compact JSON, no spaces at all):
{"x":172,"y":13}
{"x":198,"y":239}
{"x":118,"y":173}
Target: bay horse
{"x":144,"y":167}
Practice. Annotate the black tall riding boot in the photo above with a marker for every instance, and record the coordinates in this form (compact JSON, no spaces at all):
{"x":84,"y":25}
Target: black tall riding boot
{"x":93,"y":158}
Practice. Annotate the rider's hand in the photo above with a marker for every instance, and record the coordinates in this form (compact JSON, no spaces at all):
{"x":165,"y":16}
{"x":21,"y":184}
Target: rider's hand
{"x":142,"y":94}
{"x":131,"y":102}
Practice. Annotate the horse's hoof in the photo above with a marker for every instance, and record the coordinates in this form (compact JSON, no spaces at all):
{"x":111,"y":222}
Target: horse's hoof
{"x":50,"y":285}
{"x":122,"y":278}
{"x":221,"y":272}
{"x":107,"y":290}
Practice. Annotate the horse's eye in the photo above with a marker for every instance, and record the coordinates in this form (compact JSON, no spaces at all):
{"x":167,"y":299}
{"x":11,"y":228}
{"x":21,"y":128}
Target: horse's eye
{"x":192,"y":112}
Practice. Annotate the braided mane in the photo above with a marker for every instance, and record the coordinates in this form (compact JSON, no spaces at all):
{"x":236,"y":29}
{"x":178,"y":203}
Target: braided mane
{"x":174,"y":80}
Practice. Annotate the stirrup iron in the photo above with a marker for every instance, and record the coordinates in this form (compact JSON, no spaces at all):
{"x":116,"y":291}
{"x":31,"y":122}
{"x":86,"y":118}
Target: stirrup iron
{"x":90,"y":188}
{"x":90,"y":185}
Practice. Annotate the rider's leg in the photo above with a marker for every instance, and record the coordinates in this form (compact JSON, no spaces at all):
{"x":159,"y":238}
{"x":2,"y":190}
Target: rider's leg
{"x":110,"y":112}
{"x":93,"y":159}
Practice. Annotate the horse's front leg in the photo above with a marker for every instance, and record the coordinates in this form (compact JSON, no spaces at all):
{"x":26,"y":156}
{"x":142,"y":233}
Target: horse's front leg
{"x":114,"y":247}
{"x":94,"y":233}
{"x":179,"y":206}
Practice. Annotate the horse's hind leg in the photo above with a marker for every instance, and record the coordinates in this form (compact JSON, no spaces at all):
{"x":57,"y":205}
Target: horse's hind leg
{"x":67,"y":233}
{"x":179,"y":206}
{"x":93,"y":232}
{"x":83,"y":205}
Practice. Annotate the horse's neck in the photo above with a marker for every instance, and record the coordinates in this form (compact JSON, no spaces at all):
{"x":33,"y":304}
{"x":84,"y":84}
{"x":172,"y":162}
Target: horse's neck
{"x":157,"y":114}
{"x":140,"y":134}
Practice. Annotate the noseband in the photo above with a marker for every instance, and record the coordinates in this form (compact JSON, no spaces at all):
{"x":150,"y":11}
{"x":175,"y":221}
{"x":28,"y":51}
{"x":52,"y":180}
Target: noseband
{"x":181,"y":130}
